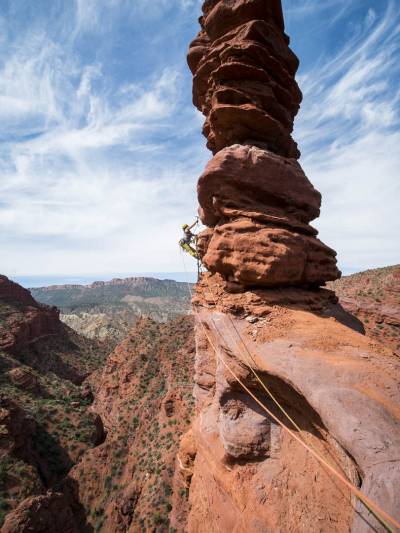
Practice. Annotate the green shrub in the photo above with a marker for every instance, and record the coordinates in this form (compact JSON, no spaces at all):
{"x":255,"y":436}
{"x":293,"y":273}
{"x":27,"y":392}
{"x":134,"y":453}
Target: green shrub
{"x":157,"y":518}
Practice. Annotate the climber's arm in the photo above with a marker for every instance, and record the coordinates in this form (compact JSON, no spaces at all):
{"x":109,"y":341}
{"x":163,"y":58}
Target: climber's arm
{"x":194,"y":224}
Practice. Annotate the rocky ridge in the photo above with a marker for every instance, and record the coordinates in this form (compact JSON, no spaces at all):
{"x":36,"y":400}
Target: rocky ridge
{"x":44,"y":423}
{"x":262,"y":312}
{"x":22,"y":320}
{"x":106,"y":311}
{"x":373,"y":296}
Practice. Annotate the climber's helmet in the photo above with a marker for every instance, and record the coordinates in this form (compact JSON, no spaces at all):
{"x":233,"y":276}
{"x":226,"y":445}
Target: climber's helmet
{"x":185,"y":226}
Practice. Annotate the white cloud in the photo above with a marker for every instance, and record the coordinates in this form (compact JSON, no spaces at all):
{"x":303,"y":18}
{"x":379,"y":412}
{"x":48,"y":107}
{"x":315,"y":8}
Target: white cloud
{"x":348,"y":131}
{"x":28,"y":83}
{"x":96,"y":177}
{"x":94,"y":185}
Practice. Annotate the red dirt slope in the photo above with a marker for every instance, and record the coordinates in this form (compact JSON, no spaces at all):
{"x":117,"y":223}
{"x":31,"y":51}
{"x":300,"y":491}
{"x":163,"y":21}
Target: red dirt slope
{"x":373,"y":297}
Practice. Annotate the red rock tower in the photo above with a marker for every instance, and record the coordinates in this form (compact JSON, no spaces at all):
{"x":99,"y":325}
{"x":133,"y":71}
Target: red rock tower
{"x":254,"y":196}
{"x":263,"y":338}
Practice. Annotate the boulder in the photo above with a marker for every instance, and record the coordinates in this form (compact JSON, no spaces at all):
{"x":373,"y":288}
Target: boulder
{"x":48,"y":513}
{"x":257,"y":255}
{"x":250,"y":178}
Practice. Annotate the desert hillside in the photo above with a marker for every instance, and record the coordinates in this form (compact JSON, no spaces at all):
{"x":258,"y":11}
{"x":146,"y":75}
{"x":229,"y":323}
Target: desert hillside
{"x":373,"y":297}
{"x":44,"y":419}
{"x":144,"y":397}
{"x":107,"y":310}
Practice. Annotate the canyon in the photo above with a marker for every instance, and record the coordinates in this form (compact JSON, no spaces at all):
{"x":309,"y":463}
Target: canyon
{"x":88,"y":442}
{"x":291,"y":397}
{"x":108,"y":310}
{"x":272,"y":406}
{"x":96,"y":443}
{"x":45,"y":427}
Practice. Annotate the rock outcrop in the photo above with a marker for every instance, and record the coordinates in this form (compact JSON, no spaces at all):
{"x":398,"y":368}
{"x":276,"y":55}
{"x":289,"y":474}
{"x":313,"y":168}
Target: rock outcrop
{"x":263,"y":316}
{"x":28,"y":323}
{"x":254,"y":195}
{"x":47,"y":513}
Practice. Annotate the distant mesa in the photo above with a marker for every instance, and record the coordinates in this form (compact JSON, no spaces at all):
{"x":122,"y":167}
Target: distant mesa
{"x":107,"y":310}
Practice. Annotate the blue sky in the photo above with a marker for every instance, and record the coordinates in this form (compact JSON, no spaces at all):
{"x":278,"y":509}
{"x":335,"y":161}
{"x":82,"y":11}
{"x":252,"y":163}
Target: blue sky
{"x":100,"y":146}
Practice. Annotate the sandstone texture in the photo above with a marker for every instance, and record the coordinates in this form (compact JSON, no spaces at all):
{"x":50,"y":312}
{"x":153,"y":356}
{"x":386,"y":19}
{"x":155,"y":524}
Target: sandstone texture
{"x":243,"y":77}
{"x":342,"y":390}
{"x":254,"y":195}
{"x":266,"y":323}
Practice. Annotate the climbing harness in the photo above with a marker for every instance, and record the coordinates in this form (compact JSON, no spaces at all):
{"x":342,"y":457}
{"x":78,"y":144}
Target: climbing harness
{"x":384,"y":518}
{"x":186,"y":244}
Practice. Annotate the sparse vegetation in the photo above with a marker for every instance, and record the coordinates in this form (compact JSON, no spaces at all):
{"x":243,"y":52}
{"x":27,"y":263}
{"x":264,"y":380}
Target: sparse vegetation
{"x":64,"y":431}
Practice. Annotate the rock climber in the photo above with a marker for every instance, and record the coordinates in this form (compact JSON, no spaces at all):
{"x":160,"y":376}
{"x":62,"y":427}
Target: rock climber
{"x":188,"y":239}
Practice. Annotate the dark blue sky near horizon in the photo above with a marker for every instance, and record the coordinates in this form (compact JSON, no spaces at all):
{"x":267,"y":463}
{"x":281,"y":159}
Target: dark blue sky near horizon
{"x":101,"y":148}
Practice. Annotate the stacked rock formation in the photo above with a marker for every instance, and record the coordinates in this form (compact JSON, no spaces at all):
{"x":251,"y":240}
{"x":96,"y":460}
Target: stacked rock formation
{"x":260,"y":310}
{"x":254,"y":195}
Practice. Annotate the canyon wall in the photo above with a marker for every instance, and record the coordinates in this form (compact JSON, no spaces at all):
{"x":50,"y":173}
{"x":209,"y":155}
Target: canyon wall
{"x":45,"y":427}
{"x":23,"y":321}
{"x":263,"y":316}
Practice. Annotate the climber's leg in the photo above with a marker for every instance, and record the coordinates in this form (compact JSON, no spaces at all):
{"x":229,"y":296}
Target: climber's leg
{"x":185,"y":246}
{"x":192,"y":251}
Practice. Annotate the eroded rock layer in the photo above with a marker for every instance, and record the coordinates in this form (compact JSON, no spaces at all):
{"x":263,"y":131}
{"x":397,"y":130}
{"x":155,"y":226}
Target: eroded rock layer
{"x":254,"y":194}
{"x":341,"y":389}
{"x":29,"y":322}
{"x":262,"y":318}
{"x":244,"y":75}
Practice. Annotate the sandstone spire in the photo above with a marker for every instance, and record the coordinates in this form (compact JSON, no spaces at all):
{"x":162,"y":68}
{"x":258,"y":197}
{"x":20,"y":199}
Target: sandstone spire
{"x":254,"y":195}
{"x":243,"y":470}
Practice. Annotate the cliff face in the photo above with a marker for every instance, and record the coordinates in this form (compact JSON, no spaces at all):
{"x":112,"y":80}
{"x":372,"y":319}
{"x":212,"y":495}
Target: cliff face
{"x":44,"y":423}
{"x":144,"y":399}
{"x":22,"y":320}
{"x":262,"y":317}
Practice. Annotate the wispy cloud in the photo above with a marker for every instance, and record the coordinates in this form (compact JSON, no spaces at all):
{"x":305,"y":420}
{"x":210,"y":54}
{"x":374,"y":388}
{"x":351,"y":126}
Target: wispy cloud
{"x":88,"y":161}
{"x":100,"y":146}
{"x":348,"y":131}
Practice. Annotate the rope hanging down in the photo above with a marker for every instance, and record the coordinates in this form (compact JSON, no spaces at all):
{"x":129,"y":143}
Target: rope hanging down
{"x":375,"y":509}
